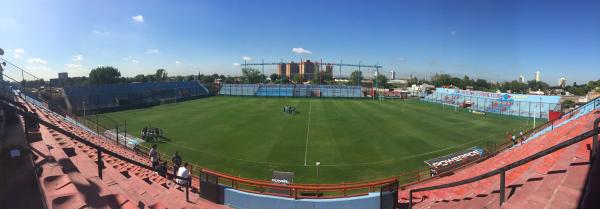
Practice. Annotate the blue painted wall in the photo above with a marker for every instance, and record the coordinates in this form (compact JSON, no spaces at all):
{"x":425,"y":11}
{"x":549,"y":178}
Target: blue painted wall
{"x":244,"y":200}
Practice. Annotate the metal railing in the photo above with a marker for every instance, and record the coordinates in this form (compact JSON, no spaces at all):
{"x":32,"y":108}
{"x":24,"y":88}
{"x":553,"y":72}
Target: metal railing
{"x":422,"y":174}
{"x":502,"y":171}
{"x":296,"y":191}
{"x":299,"y":191}
{"x":333,"y":190}
{"x":22,"y":110}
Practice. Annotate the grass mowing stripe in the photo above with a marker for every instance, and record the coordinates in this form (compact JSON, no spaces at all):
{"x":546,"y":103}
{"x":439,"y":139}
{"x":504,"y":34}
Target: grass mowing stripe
{"x":353,"y":139}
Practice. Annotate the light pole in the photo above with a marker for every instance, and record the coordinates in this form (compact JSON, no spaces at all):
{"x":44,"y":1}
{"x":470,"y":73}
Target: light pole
{"x":317,"y":164}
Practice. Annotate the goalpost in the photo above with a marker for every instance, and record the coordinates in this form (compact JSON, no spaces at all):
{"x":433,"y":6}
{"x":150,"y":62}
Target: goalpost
{"x":168,"y":101}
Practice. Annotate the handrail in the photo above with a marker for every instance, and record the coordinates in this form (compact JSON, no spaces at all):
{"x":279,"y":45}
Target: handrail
{"x":304,"y":186}
{"x":594,"y":132}
{"x":21,"y":110}
{"x":339,"y":188}
{"x":342,"y":187}
{"x":416,"y":172}
{"x":297,"y":191}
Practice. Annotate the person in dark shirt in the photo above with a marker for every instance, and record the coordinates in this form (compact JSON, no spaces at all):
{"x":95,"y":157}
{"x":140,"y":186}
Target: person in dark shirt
{"x":176,"y":162}
{"x":162,"y":169}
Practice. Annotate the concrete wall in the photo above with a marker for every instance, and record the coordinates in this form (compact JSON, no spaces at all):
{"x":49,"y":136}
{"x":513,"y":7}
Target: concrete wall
{"x":244,"y":200}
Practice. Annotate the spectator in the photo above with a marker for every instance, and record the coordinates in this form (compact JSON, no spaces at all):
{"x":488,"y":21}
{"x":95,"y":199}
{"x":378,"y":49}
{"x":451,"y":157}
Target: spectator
{"x":154,"y":156}
{"x":183,"y":173}
{"x":162,"y":169}
{"x":521,"y":136}
{"x":176,"y":162}
{"x":514,"y":139}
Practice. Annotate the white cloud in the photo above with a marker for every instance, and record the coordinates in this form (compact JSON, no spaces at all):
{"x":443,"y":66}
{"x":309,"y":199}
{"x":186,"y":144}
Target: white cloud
{"x":131,"y":59}
{"x":18,"y":53}
{"x":36,"y":61}
{"x":152,"y":51}
{"x":138,"y":18}
{"x":77,"y":58}
{"x":73,"y":66}
{"x":402,"y":59}
{"x":236,"y":64}
{"x":177,"y":62}
{"x":246,"y":58}
{"x":453,"y":32}
{"x":100,"y":33}
{"x":301,"y":51}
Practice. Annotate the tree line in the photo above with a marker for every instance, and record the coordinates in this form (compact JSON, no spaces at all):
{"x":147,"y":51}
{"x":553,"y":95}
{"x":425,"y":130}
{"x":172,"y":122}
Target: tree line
{"x":111,"y":75}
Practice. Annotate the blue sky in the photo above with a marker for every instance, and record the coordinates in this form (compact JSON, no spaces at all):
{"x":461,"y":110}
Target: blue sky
{"x":496,"y":40}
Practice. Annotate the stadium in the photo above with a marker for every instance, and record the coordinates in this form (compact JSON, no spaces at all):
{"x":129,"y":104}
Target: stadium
{"x":288,"y":134}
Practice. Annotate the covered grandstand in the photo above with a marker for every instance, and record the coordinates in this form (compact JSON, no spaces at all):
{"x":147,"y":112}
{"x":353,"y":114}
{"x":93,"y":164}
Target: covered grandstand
{"x":557,"y":178}
{"x":500,"y":103}
{"x":291,"y":90}
{"x":111,"y":96}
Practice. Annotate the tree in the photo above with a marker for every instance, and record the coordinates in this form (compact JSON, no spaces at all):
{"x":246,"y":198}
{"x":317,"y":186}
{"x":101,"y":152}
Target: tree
{"x":538,"y":85}
{"x":229,"y":80}
{"x":568,"y":104}
{"x":296,"y":78}
{"x":104,"y":75}
{"x":316,"y":79}
{"x":252,"y":75}
{"x":205,"y":79}
{"x":356,"y":77}
{"x":139,"y":78}
{"x":274,"y":77}
{"x":382,"y":81}
{"x":481,"y":85}
{"x":161,"y":74}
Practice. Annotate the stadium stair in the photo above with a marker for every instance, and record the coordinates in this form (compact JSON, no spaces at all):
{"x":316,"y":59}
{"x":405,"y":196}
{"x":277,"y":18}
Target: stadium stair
{"x":70,"y":173}
{"x":553,"y":181}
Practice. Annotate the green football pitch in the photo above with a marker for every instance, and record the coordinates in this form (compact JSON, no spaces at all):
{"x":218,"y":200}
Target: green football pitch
{"x":353,"y":139}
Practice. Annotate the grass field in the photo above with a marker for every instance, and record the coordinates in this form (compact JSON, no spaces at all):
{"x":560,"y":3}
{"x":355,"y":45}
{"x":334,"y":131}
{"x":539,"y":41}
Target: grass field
{"x":353,"y":139}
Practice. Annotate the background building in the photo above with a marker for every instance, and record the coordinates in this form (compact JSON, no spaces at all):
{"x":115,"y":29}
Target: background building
{"x":308,"y":69}
{"x":537,"y":76}
{"x":562,"y":82}
{"x":281,"y":70}
{"x":329,"y":70}
{"x":521,"y":79}
{"x":292,"y":69}
{"x":61,"y":81}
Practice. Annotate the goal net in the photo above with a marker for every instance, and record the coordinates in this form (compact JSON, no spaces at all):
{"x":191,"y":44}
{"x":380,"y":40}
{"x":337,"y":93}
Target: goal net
{"x":168,"y":101}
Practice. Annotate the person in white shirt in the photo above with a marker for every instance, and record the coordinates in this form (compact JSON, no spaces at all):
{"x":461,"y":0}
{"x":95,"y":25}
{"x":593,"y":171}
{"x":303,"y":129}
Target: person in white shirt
{"x":183,"y":173}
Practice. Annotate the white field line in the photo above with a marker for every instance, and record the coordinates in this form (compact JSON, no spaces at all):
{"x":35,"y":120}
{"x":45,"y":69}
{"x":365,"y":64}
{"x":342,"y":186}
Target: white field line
{"x":307,"y":131}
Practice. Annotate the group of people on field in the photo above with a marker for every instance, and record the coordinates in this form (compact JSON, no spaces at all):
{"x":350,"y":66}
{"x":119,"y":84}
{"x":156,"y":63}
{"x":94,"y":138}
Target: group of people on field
{"x":149,"y":133}
{"x":179,"y":170}
{"x":289,"y":109}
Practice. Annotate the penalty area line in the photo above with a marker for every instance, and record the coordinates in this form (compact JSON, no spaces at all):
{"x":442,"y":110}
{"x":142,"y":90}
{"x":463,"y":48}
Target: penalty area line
{"x":307,"y":131}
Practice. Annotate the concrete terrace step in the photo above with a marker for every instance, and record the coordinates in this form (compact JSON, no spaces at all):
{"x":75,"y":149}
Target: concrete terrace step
{"x":547,"y":182}
{"x":123,"y":186}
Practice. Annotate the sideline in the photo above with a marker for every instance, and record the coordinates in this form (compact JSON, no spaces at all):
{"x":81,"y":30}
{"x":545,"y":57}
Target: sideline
{"x":307,"y":131}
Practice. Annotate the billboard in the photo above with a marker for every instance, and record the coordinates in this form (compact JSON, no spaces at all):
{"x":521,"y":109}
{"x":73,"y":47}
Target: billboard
{"x":454,"y":160}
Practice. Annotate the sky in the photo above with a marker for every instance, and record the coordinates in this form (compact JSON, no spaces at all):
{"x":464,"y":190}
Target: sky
{"x":490,"y":39}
